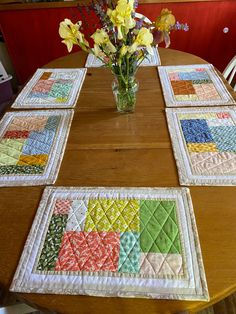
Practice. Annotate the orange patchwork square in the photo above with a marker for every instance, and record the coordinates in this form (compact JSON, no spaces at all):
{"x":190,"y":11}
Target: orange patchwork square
{"x":45,"y":75}
{"x":89,"y":251}
{"x":183,"y":87}
{"x":33,"y":160}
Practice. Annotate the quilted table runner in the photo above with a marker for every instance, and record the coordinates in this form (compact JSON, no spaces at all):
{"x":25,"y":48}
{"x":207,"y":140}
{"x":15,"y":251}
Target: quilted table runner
{"x":151,"y":60}
{"x":51,"y":88}
{"x":204,"y":143}
{"x":193,"y":85}
{"x":126,"y":242}
{"x":32,"y":144}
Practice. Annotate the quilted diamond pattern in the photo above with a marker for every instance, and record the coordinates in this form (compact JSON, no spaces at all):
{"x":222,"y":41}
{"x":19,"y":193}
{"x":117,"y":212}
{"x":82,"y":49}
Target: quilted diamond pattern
{"x":112,"y":215}
{"x":159,"y":231}
{"x":127,"y":236}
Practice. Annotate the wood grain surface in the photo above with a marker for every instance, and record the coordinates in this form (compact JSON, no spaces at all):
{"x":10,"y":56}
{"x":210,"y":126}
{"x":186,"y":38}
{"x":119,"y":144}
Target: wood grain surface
{"x":106,"y":148}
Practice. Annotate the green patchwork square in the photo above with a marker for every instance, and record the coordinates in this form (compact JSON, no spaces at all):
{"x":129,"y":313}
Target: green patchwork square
{"x":112,"y":215}
{"x":159,"y":232}
{"x":10,"y":151}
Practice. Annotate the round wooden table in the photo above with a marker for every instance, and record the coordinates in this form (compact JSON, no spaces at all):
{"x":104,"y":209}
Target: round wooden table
{"x":106,"y":148}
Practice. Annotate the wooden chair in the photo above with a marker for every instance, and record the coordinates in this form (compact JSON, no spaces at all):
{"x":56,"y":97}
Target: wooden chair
{"x":230,"y":71}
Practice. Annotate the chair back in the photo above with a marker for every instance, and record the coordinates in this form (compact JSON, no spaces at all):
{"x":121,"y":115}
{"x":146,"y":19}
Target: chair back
{"x":229,"y":73}
{"x":142,"y":17}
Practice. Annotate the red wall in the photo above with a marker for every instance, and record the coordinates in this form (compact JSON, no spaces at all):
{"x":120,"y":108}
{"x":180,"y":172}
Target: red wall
{"x":32,"y":35}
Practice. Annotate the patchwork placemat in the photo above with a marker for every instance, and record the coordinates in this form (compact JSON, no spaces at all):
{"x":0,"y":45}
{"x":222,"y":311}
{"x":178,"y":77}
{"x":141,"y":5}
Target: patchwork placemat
{"x":126,"y":242}
{"x":204,"y":143}
{"x":152,"y":60}
{"x":51,"y":88}
{"x":193,"y":85}
{"x":32,"y":145}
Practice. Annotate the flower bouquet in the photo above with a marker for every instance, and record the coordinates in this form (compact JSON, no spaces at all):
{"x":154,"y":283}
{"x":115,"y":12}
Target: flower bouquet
{"x":121,"y":43}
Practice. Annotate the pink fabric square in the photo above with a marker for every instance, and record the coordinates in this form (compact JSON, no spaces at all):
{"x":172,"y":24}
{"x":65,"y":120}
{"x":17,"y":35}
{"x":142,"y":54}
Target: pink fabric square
{"x":174,"y":76}
{"x":62,"y":207}
{"x":223,"y":115}
{"x":89,"y":251}
{"x":200,"y":70}
{"x":43,"y":86}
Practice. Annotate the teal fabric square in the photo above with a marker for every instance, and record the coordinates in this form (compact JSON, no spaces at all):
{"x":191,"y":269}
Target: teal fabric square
{"x":129,"y":253}
{"x":224,"y":138}
{"x":60,"y":89}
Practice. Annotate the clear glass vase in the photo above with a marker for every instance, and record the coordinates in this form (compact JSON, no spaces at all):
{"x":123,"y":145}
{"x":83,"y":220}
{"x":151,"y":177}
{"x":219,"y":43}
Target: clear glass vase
{"x":124,"y":90}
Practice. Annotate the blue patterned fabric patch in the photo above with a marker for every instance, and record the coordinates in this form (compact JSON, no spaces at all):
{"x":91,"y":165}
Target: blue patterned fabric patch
{"x":194,"y":76}
{"x":39,"y":143}
{"x":196,"y":131}
{"x":129,"y":252}
{"x":52,"y":123}
{"x":224,"y":138}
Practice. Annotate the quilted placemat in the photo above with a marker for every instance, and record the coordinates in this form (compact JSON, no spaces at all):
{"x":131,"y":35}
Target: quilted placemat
{"x":204,"y":143}
{"x":32,"y":145}
{"x":126,"y":242}
{"x":193,"y":85}
{"x":51,"y":88}
{"x":152,"y":60}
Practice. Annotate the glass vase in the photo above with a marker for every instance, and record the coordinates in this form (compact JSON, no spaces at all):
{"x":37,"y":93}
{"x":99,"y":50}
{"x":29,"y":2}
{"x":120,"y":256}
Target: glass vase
{"x":124,"y":90}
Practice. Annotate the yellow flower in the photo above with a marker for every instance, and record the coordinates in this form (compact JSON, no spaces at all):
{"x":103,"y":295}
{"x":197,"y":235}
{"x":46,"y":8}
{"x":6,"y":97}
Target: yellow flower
{"x":121,"y":16}
{"x":123,"y":50}
{"x":102,"y":39}
{"x":144,"y":38}
{"x":165,"y":21}
{"x":71,"y":35}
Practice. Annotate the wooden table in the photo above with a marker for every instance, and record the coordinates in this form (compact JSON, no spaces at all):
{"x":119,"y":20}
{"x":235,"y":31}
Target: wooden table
{"x":106,"y":148}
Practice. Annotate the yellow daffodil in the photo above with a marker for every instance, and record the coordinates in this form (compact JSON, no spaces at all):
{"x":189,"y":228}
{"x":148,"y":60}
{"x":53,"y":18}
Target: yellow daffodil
{"x":144,"y":38}
{"x":102,"y":40}
{"x":121,"y":16}
{"x":165,"y":21}
{"x":71,"y":35}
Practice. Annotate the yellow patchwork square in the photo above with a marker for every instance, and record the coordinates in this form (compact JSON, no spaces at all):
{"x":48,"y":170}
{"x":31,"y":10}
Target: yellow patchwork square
{"x":187,"y":116}
{"x":202,"y":147}
{"x":186,"y":97}
{"x":112,"y":215}
{"x":10,"y":151}
{"x":33,"y":160}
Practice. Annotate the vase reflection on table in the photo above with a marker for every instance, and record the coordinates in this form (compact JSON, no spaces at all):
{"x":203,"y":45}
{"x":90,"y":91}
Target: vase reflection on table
{"x":121,"y":43}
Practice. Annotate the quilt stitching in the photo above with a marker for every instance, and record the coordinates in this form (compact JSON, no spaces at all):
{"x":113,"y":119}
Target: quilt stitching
{"x":115,"y":244}
{"x":207,"y":138}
